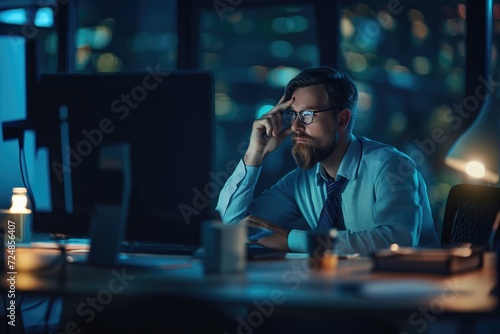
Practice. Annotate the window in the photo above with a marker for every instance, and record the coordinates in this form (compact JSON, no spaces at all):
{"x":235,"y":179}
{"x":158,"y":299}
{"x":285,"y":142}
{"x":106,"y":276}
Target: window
{"x":115,"y":36}
{"x":409,"y":64}
{"x":253,"y":53}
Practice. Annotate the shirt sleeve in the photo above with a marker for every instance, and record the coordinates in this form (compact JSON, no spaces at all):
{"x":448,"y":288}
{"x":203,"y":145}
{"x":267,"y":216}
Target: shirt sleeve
{"x":237,"y":193}
{"x":297,"y":240}
{"x":397,"y":212}
{"x":276,"y":205}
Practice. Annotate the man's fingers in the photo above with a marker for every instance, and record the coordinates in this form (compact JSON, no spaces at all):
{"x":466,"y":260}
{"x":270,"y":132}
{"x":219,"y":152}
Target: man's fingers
{"x":274,"y":123}
{"x":283,"y":105}
{"x":287,"y":103}
{"x":280,"y":106}
{"x":278,"y":240}
{"x":285,"y":133}
{"x":274,"y":118}
{"x":254,"y":221}
{"x":266,"y":124}
{"x":249,"y":223}
{"x":281,"y":99}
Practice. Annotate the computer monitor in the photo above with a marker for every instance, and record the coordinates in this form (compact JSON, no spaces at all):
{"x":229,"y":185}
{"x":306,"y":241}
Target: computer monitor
{"x":18,"y":76}
{"x":168,"y":120}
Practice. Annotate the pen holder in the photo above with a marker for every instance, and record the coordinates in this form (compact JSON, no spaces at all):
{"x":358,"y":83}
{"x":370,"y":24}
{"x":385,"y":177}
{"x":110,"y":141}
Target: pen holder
{"x":18,"y":225}
{"x":225,"y":247}
{"x":320,"y":246}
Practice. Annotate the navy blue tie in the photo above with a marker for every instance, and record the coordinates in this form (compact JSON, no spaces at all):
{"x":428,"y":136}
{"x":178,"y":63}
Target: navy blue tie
{"x":331,"y":215}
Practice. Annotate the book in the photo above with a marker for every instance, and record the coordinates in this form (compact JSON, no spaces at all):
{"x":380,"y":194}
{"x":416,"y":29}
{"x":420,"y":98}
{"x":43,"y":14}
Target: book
{"x":445,"y":261}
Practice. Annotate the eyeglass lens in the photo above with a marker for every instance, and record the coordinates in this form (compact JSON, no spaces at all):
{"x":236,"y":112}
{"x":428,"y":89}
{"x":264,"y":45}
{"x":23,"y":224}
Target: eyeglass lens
{"x":289,"y":116}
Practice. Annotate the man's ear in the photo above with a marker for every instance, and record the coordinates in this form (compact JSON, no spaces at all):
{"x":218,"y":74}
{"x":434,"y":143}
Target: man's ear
{"x":343,"y":118}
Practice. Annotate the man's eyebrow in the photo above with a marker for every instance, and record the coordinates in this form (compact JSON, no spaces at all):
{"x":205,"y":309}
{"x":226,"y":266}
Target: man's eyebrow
{"x":310,"y":109}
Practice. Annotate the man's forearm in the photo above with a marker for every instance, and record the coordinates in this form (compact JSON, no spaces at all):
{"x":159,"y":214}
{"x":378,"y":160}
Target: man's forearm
{"x":237,"y":194}
{"x":253,"y":158}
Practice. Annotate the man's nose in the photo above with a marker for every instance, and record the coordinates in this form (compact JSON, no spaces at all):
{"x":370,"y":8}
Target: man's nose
{"x":297,"y":125}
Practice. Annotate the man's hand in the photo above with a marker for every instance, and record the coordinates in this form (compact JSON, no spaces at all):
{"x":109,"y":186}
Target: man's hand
{"x":265,"y":137}
{"x":279,"y":240}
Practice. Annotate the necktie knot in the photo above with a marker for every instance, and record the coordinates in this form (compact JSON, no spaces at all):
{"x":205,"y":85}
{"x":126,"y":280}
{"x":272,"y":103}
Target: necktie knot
{"x":334,"y":186}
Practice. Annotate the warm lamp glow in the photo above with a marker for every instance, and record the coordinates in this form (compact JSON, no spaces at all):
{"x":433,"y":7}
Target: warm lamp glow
{"x":477,"y":151}
{"x":19,"y":201}
{"x":475,"y":169}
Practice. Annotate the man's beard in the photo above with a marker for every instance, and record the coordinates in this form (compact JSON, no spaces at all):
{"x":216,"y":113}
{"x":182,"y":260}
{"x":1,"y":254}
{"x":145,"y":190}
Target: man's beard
{"x":308,"y":154}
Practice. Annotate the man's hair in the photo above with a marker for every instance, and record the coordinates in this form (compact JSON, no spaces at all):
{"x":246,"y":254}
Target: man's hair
{"x":342,"y":93}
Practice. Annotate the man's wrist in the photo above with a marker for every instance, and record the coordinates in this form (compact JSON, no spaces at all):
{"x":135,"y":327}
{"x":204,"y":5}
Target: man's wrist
{"x":253,"y":159}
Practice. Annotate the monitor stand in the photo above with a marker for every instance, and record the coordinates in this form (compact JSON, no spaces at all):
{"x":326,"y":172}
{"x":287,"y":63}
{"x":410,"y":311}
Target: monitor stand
{"x":110,"y":214}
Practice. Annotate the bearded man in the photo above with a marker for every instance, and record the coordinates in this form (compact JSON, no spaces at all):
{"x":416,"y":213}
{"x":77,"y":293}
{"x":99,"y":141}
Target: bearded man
{"x":370,"y":192}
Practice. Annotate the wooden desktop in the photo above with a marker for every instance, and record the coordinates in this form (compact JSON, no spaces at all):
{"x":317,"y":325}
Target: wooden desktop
{"x":269,"y":295}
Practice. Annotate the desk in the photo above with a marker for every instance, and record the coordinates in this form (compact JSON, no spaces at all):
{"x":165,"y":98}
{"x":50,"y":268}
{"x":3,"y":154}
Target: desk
{"x":286,"y":293}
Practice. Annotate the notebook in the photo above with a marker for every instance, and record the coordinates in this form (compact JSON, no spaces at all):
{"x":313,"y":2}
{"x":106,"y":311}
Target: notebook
{"x":444,"y":261}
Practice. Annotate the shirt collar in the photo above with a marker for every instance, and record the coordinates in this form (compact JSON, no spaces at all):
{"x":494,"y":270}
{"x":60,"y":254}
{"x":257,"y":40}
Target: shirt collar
{"x":348,"y":166}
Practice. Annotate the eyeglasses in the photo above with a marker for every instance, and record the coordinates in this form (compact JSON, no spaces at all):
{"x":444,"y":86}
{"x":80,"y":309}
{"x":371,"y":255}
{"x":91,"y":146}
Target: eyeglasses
{"x":306,"y":116}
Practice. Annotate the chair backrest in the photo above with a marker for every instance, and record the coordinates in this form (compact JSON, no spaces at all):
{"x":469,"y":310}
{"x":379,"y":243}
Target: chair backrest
{"x":470,"y":214}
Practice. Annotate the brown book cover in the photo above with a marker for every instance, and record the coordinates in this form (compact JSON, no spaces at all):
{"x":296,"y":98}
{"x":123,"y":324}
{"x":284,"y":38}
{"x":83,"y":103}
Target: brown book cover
{"x":443,"y":261}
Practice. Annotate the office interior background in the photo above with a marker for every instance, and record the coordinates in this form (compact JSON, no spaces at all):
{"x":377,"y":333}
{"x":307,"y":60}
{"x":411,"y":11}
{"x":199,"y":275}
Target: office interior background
{"x":408,"y":59}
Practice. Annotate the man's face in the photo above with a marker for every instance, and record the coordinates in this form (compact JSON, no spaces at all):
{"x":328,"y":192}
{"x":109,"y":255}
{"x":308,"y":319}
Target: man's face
{"x":314,"y":142}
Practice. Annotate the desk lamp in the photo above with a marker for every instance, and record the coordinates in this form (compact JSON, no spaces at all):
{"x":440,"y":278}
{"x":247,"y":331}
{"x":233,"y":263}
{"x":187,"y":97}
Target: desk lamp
{"x":477,"y":151}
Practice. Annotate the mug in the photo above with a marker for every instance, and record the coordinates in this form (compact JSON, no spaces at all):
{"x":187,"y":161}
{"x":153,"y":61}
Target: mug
{"x":225,"y":247}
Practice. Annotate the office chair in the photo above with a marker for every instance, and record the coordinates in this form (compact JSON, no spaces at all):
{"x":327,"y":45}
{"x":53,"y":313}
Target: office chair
{"x":469,"y":216}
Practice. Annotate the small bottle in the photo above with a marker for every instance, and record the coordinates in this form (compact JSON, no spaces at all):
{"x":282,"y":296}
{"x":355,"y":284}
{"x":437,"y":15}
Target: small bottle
{"x":20,"y":216}
{"x":19,"y":201}
{"x":321,"y":249}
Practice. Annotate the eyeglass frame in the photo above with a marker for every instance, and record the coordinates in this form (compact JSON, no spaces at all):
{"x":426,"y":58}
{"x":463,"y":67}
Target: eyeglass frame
{"x":301,"y":116}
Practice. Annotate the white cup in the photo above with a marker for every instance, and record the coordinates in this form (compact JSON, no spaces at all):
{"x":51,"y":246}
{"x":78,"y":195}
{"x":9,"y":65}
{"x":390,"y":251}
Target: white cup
{"x":225,"y":247}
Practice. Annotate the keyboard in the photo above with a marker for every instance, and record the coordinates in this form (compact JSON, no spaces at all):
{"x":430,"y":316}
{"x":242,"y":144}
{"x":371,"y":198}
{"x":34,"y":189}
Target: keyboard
{"x":156,"y":247}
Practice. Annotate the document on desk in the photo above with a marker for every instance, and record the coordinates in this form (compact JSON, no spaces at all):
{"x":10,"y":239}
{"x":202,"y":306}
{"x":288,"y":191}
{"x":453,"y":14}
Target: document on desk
{"x":444,"y":261}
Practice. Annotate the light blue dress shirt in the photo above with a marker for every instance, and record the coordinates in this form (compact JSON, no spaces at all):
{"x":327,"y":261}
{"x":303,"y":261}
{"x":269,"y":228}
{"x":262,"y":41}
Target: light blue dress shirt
{"x":384,"y":202}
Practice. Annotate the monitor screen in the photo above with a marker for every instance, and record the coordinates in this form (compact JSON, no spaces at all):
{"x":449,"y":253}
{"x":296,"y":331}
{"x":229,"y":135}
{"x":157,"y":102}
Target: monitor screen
{"x":12,"y":107}
{"x":168,"y":120}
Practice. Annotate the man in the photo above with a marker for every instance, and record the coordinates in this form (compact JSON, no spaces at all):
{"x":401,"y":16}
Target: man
{"x":377,"y":195}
